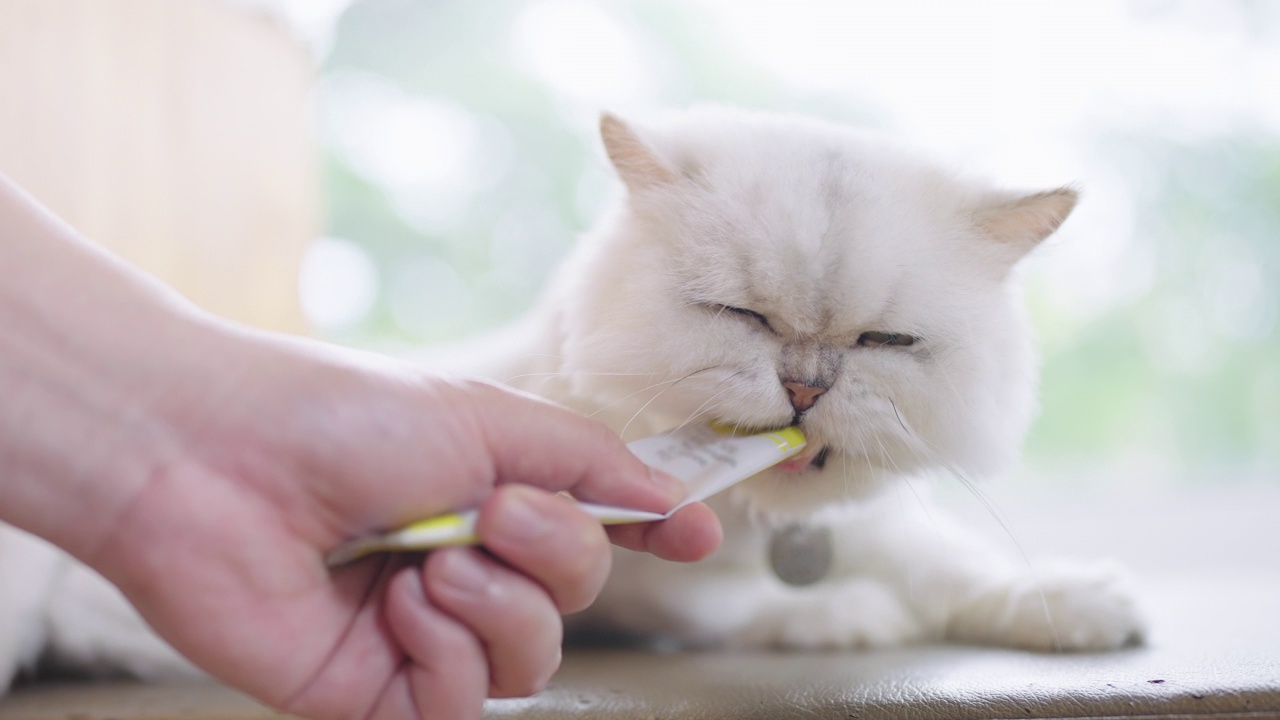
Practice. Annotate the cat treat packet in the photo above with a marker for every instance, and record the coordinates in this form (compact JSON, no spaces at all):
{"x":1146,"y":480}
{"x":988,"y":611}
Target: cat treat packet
{"x":707,"y":458}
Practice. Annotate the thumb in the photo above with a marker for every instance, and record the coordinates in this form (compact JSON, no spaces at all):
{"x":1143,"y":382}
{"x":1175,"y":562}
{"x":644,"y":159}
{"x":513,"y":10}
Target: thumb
{"x":435,"y":445}
{"x":535,"y":442}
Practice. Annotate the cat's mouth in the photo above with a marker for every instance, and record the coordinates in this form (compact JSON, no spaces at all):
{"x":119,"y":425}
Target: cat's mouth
{"x":810,"y":458}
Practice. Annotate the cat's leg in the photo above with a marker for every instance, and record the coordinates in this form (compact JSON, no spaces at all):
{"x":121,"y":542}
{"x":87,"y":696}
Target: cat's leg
{"x":1060,"y":606}
{"x":734,"y":599}
{"x":28,"y":569}
{"x":840,"y":614}
{"x":902,"y":573}
{"x":745,"y":606}
{"x":92,"y":628}
{"x":965,"y":589}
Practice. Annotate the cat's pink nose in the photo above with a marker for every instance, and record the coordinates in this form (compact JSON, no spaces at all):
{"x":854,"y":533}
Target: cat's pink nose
{"x":802,"y":396}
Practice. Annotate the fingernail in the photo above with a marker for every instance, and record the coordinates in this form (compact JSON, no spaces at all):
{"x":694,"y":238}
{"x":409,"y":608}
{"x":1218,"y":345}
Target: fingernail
{"x":524,"y":517}
{"x":413,"y":584}
{"x":462,"y":570}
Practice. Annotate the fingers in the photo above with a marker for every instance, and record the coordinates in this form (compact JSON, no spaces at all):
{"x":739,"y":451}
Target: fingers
{"x":510,"y":614}
{"x":550,"y":540}
{"x":691,"y":534}
{"x":448,"y":676}
{"x":534,"y":442}
{"x":537,"y":443}
{"x":551,"y":558}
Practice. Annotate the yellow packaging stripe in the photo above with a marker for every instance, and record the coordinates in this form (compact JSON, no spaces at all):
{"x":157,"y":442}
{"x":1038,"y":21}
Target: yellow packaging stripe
{"x":788,"y":438}
{"x":443,"y":522}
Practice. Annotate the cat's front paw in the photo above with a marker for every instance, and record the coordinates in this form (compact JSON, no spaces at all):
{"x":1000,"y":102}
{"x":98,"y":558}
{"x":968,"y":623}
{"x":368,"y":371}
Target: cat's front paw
{"x":852,"y":614}
{"x":1062,"y":607}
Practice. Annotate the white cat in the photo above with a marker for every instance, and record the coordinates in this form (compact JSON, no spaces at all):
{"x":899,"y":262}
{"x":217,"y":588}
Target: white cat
{"x":763,"y":270}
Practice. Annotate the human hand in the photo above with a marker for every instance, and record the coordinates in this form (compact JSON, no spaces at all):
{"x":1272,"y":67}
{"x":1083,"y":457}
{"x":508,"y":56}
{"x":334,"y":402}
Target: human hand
{"x":206,"y":470}
{"x":291,"y":448}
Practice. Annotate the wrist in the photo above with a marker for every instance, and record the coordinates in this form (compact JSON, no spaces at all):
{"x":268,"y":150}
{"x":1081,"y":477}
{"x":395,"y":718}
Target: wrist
{"x":80,"y":431}
{"x":88,"y":351}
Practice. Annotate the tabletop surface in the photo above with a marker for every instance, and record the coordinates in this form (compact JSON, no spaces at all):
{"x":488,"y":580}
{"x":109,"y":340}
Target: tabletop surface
{"x":1210,"y":580}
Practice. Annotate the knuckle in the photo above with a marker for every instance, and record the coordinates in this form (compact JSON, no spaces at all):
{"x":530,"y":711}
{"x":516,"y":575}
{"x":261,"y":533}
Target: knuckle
{"x":455,"y":641}
{"x":585,"y":571}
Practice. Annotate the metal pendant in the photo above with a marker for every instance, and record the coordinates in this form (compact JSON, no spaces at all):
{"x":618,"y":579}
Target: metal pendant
{"x":800,"y":554}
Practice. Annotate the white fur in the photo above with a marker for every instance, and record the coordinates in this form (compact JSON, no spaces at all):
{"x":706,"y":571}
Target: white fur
{"x":829,"y":234}
{"x":55,"y":610}
{"x":28,"y":569}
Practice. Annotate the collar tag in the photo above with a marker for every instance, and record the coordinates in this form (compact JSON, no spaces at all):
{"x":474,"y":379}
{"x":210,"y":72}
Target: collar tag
{"x":800,"y":554}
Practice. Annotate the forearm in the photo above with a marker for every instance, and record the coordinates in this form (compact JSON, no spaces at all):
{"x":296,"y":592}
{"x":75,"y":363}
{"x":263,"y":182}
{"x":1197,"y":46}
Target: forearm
{"x":83,"y":344}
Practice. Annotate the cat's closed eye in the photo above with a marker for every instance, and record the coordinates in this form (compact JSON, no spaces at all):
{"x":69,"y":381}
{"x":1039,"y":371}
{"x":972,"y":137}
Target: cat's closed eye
{"x":745,"y":313}
{"x":878,"y":339}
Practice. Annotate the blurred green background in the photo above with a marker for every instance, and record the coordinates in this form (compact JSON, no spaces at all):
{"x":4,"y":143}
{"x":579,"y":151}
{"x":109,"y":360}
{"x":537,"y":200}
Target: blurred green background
{"x":461,"y":164}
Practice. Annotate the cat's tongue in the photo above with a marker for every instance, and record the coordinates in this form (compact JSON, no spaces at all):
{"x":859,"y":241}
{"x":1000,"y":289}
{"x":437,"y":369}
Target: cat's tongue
{"x":800,"y":462}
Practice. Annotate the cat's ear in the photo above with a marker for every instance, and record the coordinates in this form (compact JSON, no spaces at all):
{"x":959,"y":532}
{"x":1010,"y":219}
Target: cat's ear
{"x":1016,"y":224}
{"x":637,"y":164}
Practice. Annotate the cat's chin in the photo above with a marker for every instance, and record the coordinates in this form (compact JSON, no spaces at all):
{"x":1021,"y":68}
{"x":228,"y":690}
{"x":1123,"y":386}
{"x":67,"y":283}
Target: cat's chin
{"x":811,"y":458}
{"x":818,"y":480}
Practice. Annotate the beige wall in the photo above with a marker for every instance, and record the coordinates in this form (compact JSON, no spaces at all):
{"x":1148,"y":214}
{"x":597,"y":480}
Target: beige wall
{"x":175,"y":132}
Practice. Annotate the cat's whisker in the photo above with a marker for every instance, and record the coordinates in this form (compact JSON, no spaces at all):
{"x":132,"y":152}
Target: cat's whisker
{"x":623,"y":432}
{"x":931,"y":452}
{"x":866,"y":455}
{"x":628,"y":396}
{"x":603,"y":374}
{"x":932,"y":455}
{"x":575,"y":373}
{"x":946,"y":379}
{"x":844,"y":468}
{"x":906,"y":480}
{"x":884,"y":452}
{"x":698,"y":411}
{"x":696,"y":416}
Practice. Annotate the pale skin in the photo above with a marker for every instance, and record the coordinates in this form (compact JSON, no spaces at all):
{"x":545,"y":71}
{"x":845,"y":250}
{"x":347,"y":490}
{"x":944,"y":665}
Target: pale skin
{"x":206,"y":469}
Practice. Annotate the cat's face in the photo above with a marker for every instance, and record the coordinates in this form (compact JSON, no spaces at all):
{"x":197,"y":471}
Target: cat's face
{"x":768,"y":270}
